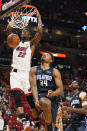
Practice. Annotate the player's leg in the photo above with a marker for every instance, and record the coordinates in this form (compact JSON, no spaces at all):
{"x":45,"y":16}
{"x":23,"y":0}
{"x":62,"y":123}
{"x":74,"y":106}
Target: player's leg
{"x":30,"y":100}
{"x":34,"y":111}
{"x":16,"y":86}
{"x":19,"y":107}
{"x":54,"y":108}
{"x":70,"y":128}
{"x":81,"y":128}
{"x":45,"y":103}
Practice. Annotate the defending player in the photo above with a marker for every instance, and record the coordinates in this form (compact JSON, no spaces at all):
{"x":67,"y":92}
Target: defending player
{"x":46,"y":85}
{"x":21,"y":64}
{"x":78,"y":109}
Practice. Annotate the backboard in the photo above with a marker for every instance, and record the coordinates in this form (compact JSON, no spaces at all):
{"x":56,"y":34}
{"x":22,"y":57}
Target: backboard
{"x":8,"y":6}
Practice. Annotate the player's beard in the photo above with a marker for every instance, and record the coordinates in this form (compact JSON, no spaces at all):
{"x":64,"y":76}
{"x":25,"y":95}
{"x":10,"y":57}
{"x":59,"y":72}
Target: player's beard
{"x":24,"y":38}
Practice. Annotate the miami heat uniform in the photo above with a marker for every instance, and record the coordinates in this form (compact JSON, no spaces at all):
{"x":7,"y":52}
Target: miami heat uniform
{"x":21,"y":63}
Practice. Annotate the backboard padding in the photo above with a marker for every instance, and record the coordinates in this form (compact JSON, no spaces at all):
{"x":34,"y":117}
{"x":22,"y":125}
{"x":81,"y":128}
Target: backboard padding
{"x":14,"y":8}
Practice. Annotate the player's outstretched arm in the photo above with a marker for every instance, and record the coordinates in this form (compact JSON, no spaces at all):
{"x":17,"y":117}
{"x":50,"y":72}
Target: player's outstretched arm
{"x":38,"y":35}
{"x":9,"y":27}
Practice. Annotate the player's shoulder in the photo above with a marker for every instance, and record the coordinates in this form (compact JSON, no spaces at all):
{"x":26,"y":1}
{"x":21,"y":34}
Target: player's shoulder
{"x":33,"y":69}
{"x":82,"y":95}
{"x":56,"y":71}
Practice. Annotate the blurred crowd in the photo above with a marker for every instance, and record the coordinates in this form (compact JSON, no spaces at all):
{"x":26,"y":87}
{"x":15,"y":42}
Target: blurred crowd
{"x":7,"y":103}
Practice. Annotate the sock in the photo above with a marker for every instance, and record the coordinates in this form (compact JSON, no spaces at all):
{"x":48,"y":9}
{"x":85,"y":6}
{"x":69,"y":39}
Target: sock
{"x":21,"y":116}
{"x":37,"y":122}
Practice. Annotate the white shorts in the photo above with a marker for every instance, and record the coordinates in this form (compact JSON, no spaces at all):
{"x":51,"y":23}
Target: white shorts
{"x":20,"y":80}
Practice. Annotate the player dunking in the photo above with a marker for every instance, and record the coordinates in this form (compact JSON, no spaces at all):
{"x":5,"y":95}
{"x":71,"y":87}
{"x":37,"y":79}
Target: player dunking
{"x":21,"y":64}
{"x":46,"y":85}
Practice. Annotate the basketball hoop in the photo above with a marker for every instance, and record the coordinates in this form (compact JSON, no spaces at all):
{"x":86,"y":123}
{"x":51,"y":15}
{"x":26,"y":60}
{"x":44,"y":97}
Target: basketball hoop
{"x":20,"y":16}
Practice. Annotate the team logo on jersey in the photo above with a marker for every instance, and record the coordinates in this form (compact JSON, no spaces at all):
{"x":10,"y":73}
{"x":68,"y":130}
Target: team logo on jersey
{"x":22,"y":51}
{"x":75,"y":102}
{"x":19,"y":48}
{"x":44,"y":77}
{"x":39,"y":71}
{"x":48,"y":72}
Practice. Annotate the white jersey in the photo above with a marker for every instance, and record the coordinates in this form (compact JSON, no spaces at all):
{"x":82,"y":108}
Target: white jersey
{"x":22,"y":56}
{"x":1,"y":124}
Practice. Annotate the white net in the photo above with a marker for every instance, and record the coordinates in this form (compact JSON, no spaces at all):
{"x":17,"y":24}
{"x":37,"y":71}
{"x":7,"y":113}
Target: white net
{"x":20,"y":18}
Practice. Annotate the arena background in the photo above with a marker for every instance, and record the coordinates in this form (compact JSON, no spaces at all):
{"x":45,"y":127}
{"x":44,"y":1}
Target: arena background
{"x":64,"y":35}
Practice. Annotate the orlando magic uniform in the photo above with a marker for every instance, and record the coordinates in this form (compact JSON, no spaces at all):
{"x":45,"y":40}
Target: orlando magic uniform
{"x":86,"y":122}
{"x":78,"y":120}
{"x":45,"y":82}
{"x":21,"y":63}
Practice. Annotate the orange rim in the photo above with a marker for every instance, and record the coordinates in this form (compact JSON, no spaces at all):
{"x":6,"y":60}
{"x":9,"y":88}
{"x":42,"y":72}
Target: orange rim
{"x":12,"y":13}
{"x":29,"y":6}
{"x":16,"y":14}
{"x":26,"y":6}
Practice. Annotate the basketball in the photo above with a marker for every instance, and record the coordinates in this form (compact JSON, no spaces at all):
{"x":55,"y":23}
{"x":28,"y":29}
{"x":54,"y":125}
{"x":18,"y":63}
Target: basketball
{"x":28,"y":129}
{"x":13,"y":40}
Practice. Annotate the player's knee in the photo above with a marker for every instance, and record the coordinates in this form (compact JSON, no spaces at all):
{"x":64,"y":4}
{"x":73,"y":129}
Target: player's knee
{"x":45,"y":102}
{"x":17,"y":97}
{"x":47,"y":119}
{"x":30,"y":100}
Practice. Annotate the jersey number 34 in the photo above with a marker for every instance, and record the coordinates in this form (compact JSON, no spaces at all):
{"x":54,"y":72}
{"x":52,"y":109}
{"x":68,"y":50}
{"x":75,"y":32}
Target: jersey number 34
{"x":43,"y":83}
